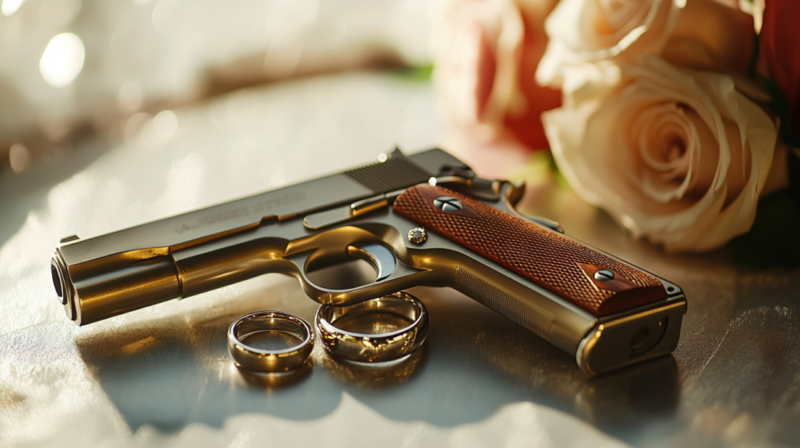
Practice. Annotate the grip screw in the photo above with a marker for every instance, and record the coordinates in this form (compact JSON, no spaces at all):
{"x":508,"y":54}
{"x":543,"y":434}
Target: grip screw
{"x":417,"y":235}
{"x":604,"y":275}
{"x":447,"y":204}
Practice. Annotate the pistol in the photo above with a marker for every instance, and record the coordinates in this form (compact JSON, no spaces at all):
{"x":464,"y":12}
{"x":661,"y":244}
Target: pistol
{"x":420,"y":220}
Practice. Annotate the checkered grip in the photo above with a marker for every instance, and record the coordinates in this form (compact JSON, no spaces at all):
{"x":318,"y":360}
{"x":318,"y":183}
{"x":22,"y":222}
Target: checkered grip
{"x":547,"y":258}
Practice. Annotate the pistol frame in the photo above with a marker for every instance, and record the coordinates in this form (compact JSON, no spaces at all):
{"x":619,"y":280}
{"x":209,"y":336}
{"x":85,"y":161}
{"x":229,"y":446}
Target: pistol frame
{"x":327,"y":221}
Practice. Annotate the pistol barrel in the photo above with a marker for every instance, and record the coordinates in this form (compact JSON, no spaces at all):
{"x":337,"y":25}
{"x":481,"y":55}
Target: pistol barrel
{"x":116,"y":291}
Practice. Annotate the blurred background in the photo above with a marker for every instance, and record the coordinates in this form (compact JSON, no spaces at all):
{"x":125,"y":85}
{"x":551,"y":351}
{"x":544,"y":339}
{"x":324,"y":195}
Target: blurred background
{"x":118,"y":112}
{"x":76,"y":69}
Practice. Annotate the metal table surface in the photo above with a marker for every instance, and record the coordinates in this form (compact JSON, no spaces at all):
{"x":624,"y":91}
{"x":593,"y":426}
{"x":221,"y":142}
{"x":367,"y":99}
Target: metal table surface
{"x":161,"y":376}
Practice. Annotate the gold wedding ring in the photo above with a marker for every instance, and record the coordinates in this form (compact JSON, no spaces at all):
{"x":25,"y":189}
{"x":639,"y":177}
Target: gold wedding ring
{"x":269,"y":361}
{"x":378,"y":330}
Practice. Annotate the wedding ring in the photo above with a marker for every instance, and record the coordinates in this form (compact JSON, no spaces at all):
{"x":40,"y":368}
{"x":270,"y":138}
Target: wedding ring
{"x":378,"y":330}
{"x":269,"y":361}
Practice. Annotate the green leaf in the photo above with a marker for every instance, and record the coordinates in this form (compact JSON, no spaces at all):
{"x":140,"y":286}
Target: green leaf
{"x":420,"y":73}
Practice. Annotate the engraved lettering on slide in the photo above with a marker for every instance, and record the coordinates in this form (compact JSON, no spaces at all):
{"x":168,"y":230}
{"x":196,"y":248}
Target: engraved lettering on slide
{"x":259,"y":208}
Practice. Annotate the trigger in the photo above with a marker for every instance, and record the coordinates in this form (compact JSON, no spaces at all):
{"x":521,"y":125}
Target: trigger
{"x":381,"y":258}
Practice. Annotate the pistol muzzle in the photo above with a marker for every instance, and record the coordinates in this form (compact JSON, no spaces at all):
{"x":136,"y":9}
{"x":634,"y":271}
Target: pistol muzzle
{"x":92,"y":296}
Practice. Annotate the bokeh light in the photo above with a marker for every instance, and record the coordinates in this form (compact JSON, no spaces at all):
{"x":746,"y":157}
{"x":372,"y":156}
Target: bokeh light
{"x":19,"y":157}
{"x":11,"y":6}
{"x":62,"y":60}
{"x":165,"y":124}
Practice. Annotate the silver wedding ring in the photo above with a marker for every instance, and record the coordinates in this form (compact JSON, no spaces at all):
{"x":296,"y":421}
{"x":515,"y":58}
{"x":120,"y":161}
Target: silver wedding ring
{"x":378,"y":330}
{"x":269,"y":361}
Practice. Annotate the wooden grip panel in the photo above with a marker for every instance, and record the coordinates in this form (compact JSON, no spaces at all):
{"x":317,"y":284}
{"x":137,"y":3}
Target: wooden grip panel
{"x":547,"y":258}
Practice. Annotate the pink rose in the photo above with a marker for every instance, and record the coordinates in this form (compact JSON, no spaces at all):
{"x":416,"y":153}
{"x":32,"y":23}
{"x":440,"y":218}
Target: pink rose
{"x":486,"y":55}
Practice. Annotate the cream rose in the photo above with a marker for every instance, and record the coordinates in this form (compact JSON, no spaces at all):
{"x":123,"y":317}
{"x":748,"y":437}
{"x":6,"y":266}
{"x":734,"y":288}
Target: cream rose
{"x":678,"y":157}
{"x":700,"y":34}
{"x":485,"y":57}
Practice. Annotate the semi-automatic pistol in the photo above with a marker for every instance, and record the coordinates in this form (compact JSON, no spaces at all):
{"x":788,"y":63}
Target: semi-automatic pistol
{"x":419,"y":220}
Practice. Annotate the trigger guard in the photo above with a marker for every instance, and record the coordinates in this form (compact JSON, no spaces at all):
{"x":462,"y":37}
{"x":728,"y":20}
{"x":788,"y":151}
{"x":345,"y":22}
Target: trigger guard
{"x":400,"y":277}
{"x":381,"y":258}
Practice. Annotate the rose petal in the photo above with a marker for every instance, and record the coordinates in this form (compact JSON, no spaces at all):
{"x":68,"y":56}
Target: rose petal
{"x":665,"y":144}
